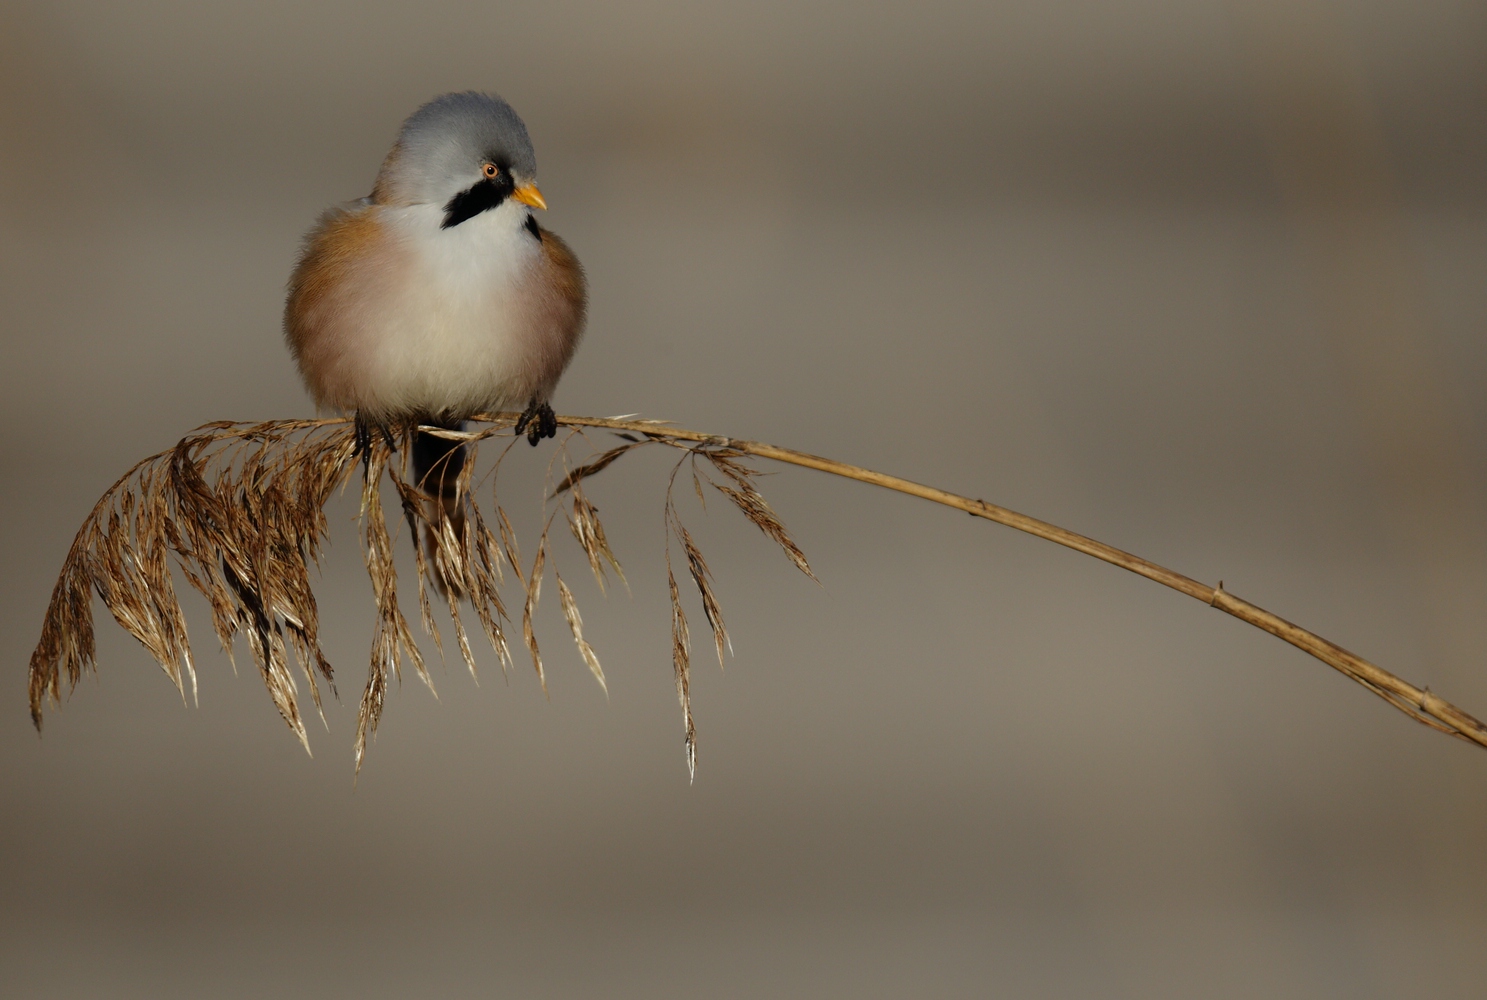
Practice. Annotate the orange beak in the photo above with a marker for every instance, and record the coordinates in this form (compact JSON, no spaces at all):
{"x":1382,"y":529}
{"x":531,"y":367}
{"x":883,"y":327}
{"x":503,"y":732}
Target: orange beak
{"x":528,"y":194}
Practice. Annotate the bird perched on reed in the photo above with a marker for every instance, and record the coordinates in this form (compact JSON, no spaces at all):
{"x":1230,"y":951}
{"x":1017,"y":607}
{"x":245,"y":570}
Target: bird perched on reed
{"x":438,"y":296}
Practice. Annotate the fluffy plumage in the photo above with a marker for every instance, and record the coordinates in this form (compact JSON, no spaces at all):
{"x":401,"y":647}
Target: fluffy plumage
{"x":392,"y":317}
{"x":397,"y":317}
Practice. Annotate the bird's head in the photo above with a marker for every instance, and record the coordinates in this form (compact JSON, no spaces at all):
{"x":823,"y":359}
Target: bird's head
{"x":467,"y":153}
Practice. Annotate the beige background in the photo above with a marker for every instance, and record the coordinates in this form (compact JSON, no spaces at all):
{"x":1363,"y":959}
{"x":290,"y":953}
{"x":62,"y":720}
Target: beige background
{"x":1204,"y":281}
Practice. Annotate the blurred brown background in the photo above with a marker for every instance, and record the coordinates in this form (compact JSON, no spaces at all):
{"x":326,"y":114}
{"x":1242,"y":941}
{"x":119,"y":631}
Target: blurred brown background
{"x":1202,"y":280}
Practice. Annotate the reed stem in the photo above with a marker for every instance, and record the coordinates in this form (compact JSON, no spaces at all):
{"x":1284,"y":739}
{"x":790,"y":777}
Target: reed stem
{"x":1418,"y":703}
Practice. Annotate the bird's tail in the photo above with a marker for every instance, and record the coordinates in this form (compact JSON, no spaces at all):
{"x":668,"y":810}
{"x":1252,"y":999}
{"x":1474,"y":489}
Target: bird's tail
{"x":437,"y":464}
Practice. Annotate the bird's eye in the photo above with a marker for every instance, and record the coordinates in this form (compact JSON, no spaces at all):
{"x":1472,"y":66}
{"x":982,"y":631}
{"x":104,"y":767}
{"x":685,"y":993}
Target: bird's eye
{"x":490,"y":170}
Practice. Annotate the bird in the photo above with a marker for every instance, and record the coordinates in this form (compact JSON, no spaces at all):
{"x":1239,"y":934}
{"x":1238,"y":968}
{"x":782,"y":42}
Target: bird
{"x":439,"y":296}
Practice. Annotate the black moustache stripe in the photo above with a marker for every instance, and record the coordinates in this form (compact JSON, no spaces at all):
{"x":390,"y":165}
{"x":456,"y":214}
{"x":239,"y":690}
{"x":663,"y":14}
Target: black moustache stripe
{"x":485,"y":195}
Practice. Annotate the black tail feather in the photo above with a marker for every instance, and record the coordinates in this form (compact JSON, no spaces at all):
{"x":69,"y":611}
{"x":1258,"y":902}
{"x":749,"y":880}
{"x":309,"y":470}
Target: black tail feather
{"x":437,"y":464}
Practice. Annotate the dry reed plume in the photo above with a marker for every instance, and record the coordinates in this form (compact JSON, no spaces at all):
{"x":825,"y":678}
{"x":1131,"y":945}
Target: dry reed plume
{"x":239,"y":509}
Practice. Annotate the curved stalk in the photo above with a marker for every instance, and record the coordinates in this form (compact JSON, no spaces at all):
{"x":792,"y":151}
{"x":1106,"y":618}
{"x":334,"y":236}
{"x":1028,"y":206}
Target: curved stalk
{"x":1418,"y":703}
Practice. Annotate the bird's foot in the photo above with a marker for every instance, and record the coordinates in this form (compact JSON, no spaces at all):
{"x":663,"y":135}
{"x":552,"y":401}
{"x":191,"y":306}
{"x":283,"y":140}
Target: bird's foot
{"x":538,"y":421}
{"x":365,"y":429}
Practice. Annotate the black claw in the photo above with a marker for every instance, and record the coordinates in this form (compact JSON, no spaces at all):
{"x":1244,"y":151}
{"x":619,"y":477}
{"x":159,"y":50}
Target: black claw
{"x":363,"y":443}
{"x":544,"y":425}
{"x":538,"y":421}
{"x":364,"y":430}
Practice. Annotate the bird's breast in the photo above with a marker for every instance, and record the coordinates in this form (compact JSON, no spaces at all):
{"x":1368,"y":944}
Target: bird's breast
{"x":410,"y":320}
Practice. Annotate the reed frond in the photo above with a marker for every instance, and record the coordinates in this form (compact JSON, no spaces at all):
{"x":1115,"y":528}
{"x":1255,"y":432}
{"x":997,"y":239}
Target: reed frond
{"x":238,"y":509}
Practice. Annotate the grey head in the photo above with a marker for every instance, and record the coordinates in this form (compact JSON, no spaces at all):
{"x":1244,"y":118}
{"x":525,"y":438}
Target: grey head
{"x":466,"y":152}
